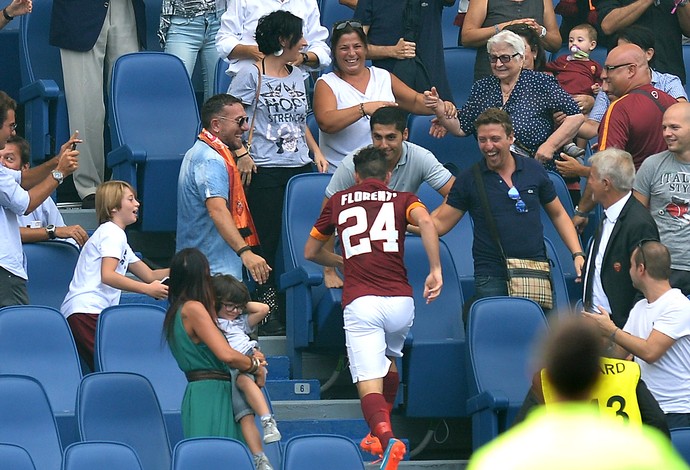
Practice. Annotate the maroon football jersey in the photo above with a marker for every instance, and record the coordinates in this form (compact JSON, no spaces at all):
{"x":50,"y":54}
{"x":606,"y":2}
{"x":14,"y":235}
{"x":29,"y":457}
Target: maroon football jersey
{"x":371,"y":220}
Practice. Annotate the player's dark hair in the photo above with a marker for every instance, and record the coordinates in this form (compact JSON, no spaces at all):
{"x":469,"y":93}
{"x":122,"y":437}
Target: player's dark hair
{"x":389,"y":115}
{"x":655,"y":257}
{"x":214,"y":106}
{"x":572,"y":354}
{"x":495,"y":116}
{"x":275,"y":26}
{"x":229,"y":290}
{"x":370,"y":162}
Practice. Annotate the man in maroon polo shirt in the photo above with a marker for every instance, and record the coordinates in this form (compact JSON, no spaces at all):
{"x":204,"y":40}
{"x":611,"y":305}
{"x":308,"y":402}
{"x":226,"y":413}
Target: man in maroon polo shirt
{"x":633,"y":120}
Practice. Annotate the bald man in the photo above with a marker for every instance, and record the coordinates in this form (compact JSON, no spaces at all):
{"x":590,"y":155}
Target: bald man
{"x":633,"y":120}
{"x":662,"y":184}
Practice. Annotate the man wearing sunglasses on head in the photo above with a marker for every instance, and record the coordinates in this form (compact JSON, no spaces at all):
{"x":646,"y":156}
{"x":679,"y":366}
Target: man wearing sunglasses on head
{"x":657,"y":332}
{"x":516,"y":188}
{"x":212,"y":211}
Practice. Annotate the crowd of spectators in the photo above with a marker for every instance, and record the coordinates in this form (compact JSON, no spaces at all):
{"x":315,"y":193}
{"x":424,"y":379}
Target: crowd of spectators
{"x":522,"y":110}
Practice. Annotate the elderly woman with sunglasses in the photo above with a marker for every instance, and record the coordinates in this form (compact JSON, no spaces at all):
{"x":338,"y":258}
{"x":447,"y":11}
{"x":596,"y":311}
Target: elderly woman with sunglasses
{"x":345,"y":98}
{"x":530,"y":98}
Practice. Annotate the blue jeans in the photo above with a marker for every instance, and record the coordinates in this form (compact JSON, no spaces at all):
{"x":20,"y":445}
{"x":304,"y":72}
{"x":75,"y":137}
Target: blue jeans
{"x":189,"y":37}
{"x":484,"y":286}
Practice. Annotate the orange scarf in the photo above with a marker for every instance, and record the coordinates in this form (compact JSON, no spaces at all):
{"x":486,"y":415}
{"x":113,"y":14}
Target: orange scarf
{"x":237,"y":201}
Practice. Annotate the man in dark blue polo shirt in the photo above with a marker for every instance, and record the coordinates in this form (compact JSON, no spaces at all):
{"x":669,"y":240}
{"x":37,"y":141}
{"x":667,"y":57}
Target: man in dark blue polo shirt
{"x":515,"y":188}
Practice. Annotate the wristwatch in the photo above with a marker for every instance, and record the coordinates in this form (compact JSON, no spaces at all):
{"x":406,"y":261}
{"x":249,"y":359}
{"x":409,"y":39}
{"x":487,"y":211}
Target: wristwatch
{"x":305,"y":58}
{"x":543,"y":32}
{"x":579,"y":213}
{"x":59,"y":177}
{"x":51,"y":231}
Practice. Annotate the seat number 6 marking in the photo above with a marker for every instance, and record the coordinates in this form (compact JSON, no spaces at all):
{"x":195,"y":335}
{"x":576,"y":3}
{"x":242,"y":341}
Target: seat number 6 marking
{"x":383,"y":229}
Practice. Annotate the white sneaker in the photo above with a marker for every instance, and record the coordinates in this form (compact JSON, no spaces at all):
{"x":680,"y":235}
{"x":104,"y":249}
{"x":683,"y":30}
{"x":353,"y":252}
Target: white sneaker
{"x":271,"y":433}
{"x":261,"y":462}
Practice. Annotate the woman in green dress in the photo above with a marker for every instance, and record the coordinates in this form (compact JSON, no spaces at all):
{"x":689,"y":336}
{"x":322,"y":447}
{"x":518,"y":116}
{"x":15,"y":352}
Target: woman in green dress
{"x":201,"y":350}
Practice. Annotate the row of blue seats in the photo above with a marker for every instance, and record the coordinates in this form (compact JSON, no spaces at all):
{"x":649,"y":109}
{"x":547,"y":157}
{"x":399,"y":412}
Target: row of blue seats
{"x":121,"y":428}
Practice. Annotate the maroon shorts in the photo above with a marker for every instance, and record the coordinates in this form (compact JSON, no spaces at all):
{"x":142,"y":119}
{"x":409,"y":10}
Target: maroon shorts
{"x":83,"y":326}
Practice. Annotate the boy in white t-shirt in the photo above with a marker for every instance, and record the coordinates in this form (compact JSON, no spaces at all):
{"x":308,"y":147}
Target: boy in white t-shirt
{"x":99,"y":276}
{"x":237,"y":318}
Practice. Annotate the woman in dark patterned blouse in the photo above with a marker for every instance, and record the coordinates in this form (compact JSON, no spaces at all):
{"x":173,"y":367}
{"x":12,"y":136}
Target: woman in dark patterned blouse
{"x":531,"y":98}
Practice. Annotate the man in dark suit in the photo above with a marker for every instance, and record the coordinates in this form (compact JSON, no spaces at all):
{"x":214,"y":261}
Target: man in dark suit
{"x":91,"y":36}
{"x":626,"y":222}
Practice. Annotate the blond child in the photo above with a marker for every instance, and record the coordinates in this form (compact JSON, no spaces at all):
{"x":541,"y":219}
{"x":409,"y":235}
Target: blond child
{"x":99,"y":277}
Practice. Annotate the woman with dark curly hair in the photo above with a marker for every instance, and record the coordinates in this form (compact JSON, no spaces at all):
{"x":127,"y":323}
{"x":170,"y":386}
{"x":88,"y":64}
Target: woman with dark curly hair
{"x":281,"y":139}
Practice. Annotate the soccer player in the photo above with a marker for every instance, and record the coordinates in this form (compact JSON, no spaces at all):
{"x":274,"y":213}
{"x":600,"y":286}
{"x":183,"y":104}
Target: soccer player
{"x":378,"y":308}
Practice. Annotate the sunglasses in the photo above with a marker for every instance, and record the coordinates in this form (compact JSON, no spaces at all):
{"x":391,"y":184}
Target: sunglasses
{"x":520,"y":205}
{"x":241,"y":121}
{"x":505,"y":58}
{"x":345,"y":24}
{"x":609,"y":68}
{"x":640,"y":245}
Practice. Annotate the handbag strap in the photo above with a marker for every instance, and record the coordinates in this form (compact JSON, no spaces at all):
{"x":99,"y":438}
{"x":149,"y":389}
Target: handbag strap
{"x":256,"y":102}
{"x":481,"y":190}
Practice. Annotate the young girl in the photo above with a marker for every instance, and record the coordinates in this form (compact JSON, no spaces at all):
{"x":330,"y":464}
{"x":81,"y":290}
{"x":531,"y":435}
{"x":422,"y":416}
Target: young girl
{"x":204,"y":355}
{"x":99,"y":275}
{"x":237,"y":317}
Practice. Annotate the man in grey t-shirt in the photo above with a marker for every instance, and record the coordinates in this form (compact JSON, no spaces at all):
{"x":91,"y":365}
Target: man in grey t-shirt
{"x":410,"y":165}
{"x":662,"y":184}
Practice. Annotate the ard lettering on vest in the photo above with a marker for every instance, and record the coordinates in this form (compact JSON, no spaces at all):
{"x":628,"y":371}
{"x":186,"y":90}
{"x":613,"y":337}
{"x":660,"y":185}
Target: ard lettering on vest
{"x":614,"y":393}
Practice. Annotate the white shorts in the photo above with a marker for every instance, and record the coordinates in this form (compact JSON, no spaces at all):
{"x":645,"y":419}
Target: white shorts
{"x":376,"y":327}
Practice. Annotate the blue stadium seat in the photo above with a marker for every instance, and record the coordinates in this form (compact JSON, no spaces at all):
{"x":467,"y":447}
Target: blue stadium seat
{"x":50,"y":267}
{"x":311,"y":452}
{"x":500,"y":337}
{"x":42,"y":92}
{"x":314,"y":314}
{"x":129,"y":338}
{"x":100,"y":455}
{"x":122,"y":407}
{"x":212,"y":453}
{"x":562,"y":252}
{"x":222,"y":79}
{"x":313,"y":125}
{"x":680,"y":437}
{"x":461,"y":151}
{"x":450,"y":31}
{"x":561,"y":301}
{"x":10,"y":80}
{"x":437,"y":332}
{"x":15,"y":457}
{"x":153,"y":123}
{"x":332,"y":11}
{"x":460,"y":69}
{"x":36,"y":341}
{"x":27,"y":420}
